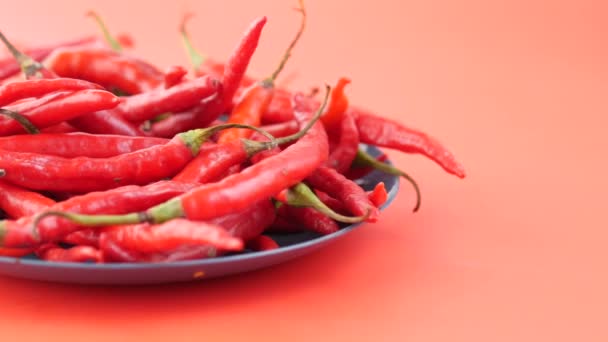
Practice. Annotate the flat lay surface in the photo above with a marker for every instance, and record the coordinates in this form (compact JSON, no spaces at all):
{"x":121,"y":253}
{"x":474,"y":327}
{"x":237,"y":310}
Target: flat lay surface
{"x":514,"y":252}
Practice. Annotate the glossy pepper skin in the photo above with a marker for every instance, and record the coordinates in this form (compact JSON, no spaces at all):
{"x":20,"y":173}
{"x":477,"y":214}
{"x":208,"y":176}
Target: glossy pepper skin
{"x":71,"y":145}
{"x":263,"y":179}
{"x":211,"y":163}
{"x":19,"y":90}
{"x":110,"y":69}
{"x":46,"y":172}
{"x":58,"y":107}
{"x":17,"y":202}
{"x":345,"y":150}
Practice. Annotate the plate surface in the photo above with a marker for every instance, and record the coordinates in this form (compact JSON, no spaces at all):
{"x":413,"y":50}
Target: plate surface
{"x":292,"y":246}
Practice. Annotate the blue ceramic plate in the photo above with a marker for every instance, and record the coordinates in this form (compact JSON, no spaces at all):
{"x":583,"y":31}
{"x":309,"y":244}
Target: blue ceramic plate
{"x":292,"y":246}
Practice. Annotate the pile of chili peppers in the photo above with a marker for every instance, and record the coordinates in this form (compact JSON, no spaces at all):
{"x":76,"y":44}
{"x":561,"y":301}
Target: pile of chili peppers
{"x":106,"y":158}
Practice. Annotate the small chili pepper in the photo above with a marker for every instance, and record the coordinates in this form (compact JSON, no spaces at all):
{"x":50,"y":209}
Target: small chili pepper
{"x":83,"y":237}
{"x":147,"y":105}
{"x":233,"y":193}
{"x":149,"y":238}
{"x":174,"y":75}
{"x":255,"y":100}
{"x":335,"y":184}
{"x":106,"y":122}
{"x":78,"y":144}
{"x":15,"y":91}
{"x":364,"y":159}
{"x":235,"y":69}
{"x":378,"y":196}
{"x":54,"y":253}
{"x":342,"y":156}
{"x":108,"y":68}
{"x":10,"y":67}
{"x":338,"y":104}
{"x":390,"y":134}
{"x":116,"y":201}
{"x":17,"y":202}
{"x":262,"y":243}
{"x":57,"y":107}
{"x":29,"y":67}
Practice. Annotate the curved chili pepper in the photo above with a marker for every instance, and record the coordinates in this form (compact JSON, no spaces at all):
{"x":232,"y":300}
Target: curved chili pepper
{"x":233,"y":193}
{"x":55,"y":108}
{"x":342,"y":156}
{"x":78,"y":144}
{"x":255,"y":100}
{"x":89,"y":174}
{"x":108,"y":68}
{"x":51,"y":252}
{"x":262,"y":243}
{"x":17,"y":202}
{"x":147,"y":105}
{"x":174,"y":75}
{"x":106,"y":122}
{"x":338,"y":104}
{"x":18,"y":90}
{"x":335,"y":184}
{"x":390,"y":134}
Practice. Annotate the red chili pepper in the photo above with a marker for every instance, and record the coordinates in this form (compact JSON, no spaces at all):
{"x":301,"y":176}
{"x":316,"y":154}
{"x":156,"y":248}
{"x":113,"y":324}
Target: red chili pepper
{"x":342,"y":156}
{"x":106,"y":122}
{"x":283,"y":225}
{"x":83,"y":237}
{"x":354,"y":198}
{"x":88,"y":174}
{"x":390,"y":134}
{"x":262,"y":243}
{"x":17,"y":202}
{"x":51,"y":252}
{"x":378,"y":196}
{"x":331,"y":202}
{"x":61,"y":128}
{"x":55,"y":108}
{"x":18,"y":90}
{"x":78,"y":144}
{"x":108,"y":68}
{"x":15,"y":252}
{"x":338,"y":104}
{"x":310,"y":219}
{"x":176,"y":123}
{"x":360,"y":171}
{"x":255,"y":100}
{"x":174,"y":75}
{"x":148,"y":105}
{"x":211,"y":163}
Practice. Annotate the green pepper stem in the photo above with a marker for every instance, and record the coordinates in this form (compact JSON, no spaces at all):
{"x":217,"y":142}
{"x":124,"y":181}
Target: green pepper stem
{"x":270,"y":80}
{"x":196,"y":58}
{"x":22,"y":120}
{"x":300,"y":195}
{"x":113,"y":42}
{"x":27,"y":64}
{"x":196,"y":137}
{"x":254,"y":147}
{"x":365,"y":159}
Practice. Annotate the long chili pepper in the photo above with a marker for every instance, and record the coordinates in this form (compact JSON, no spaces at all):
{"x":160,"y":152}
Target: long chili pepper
{"x":338,"y":104}
{"x":390,"y":134}
{"x":147,"y":105}
{"x":29,"y":67}
{"x":46,"y":172}
{"x":24,"y":122}
{"x":352,"y":195}
{"x":235,"y":69}
{"x":106,"y":122}
{"x":108,"y":68}
{"x":233,"y":193}
{"x":78,"y":144}
{"x":255,"y":100}
{"x":116,"y":201}
{"x":176,"y":123}
{"x":55,"y":108}
{"x":364,"y":159}
{"x":343,"y":154}
{"x":13,"y":91}
{"x":150,"y":238}
{"x":54,"y":253}
{"x":10,"y":67}
{"x":262,"y":243}
{"x":17,"y":202}
{"x":244,"y":225}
